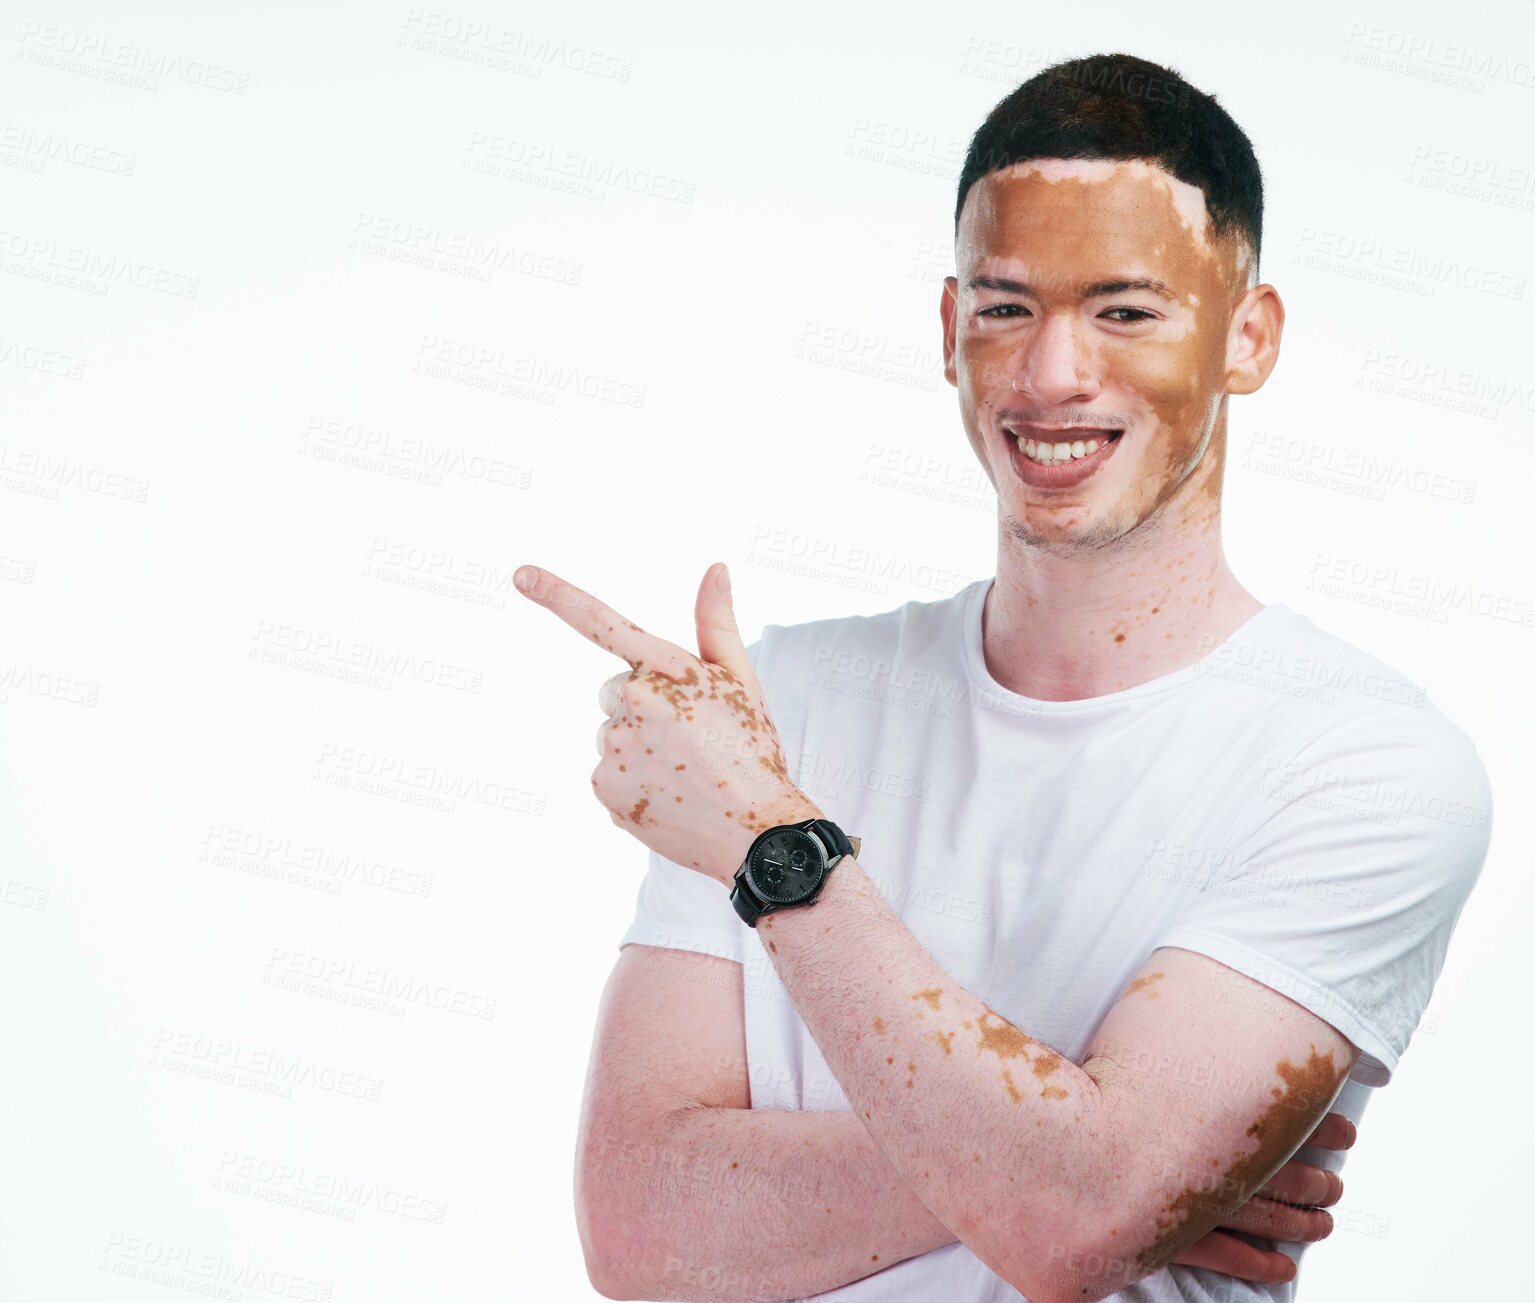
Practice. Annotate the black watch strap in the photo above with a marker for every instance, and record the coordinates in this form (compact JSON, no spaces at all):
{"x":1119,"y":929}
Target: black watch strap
{"x":839,"y":842}
{"x":747,"y":906}
{"x":746,"y":902}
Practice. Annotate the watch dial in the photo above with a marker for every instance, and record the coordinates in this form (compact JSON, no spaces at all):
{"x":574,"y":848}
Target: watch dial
{"x":787,"y":866}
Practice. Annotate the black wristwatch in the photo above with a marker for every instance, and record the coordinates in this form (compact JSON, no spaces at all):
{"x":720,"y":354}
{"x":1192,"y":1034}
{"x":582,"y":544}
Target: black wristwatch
{"x":787,"y":866}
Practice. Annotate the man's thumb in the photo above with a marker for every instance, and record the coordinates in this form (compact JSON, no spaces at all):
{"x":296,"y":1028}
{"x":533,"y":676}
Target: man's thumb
{"x":719,"y":640}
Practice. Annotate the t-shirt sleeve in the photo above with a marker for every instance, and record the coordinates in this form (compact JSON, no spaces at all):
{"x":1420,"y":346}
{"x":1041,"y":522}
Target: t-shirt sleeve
{"x":1346,"y":875}
{"x":682,"y":909}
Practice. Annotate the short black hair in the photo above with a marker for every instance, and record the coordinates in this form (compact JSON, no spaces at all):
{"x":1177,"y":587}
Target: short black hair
{"x":1118,"y":106}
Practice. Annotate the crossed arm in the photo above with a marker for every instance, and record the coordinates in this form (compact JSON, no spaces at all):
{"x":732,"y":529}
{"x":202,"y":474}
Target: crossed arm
{"x":1069,"y":1182}
{"x":686,"y":1192}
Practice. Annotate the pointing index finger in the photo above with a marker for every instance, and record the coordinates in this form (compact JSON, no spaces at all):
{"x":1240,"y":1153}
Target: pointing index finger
{"x":592,"y":618}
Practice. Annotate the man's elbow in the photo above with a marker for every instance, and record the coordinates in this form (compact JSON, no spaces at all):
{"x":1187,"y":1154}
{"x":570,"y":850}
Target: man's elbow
{"x":1071,"y":1275}
{"x":599,"y":1224}
{"x":606,"y":1263}
{"x":1095,"y":1261}
{"x":1046,"y":1263}
{"x":604,"y":1273}
{"x":609,"y":1288}
{"x":614,"y":1288}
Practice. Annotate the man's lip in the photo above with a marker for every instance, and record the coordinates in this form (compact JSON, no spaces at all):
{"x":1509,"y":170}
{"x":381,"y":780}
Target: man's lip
{"x":1079,"y":431}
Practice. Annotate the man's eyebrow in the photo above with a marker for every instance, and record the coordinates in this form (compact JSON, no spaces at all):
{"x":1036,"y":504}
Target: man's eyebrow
{"x":1092,"y":290}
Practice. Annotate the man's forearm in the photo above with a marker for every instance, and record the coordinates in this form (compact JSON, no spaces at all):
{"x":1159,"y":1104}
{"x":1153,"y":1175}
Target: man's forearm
{"x":764,"y":1204}
{"x":1010,"y":1144}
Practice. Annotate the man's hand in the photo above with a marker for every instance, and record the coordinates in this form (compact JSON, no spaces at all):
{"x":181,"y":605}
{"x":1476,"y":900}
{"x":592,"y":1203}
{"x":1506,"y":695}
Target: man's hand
{"x":691,"y":762}
{"x":1287,"y":1208}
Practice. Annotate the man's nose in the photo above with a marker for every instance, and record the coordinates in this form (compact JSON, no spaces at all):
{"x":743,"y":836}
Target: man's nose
{"x":1057,"y":364}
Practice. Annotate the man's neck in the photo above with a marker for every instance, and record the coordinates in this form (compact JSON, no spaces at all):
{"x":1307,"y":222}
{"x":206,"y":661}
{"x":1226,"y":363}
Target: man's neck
{"x":1065,"y":628}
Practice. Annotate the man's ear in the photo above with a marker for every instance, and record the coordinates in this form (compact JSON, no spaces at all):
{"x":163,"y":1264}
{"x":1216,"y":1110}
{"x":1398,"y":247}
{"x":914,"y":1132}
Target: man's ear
{"x":1252,"y":342}
{"x":948,"y":310}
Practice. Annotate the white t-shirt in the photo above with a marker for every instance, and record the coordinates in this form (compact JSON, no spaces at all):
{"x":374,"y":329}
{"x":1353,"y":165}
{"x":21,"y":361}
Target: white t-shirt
{"x":1288,"y":805}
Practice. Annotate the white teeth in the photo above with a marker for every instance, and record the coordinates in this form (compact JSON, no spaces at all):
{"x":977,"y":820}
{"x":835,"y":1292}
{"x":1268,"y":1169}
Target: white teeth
{"x":1047,"y":454}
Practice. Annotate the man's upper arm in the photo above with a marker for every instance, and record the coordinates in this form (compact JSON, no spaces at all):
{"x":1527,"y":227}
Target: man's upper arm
{"x":670,"y":1036}
{"x":1209,"y":1082}
{"x":671,"y":1033}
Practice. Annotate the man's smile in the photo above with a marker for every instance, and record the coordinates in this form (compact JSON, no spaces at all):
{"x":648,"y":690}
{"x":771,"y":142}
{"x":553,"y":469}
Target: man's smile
{"x":1059,"y":457}
{"x":1057,"y":443}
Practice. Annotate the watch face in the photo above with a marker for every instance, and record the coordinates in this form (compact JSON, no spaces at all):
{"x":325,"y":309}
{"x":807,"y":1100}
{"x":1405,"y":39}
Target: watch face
{"x":787,"y":866}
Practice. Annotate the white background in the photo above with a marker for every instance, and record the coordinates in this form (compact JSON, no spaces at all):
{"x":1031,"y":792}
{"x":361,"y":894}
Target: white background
{"x":258,"y":281}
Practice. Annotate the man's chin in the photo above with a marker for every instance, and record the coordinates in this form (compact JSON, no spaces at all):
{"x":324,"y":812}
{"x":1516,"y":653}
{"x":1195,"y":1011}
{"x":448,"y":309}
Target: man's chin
{"x":1065,"y":530}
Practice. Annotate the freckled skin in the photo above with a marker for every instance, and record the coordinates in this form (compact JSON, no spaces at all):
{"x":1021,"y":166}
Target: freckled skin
{"x":1004,"y":1040}
{"x":1294,"y":1104}
{"x":1142,"y":982}
{"x":931,"y":995}
{"x":1008,"y":1042}
{"x":680,"y":691}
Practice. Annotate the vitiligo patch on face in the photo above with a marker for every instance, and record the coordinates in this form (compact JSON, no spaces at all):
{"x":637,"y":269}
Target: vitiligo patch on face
{"x":1188,"y":201}
{"x":1058,"y":226}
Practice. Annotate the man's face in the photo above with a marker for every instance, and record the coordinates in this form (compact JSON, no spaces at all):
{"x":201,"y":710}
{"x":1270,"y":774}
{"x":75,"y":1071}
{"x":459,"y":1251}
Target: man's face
{"x":1057,"y":354}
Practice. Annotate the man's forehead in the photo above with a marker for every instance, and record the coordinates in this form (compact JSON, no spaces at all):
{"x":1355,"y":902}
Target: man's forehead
{"x":1140,"y":190}
{"x":1123,"y":202}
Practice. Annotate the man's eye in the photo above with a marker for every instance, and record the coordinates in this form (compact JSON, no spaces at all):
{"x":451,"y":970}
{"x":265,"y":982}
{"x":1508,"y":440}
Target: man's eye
{"x":1006,"y":310}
